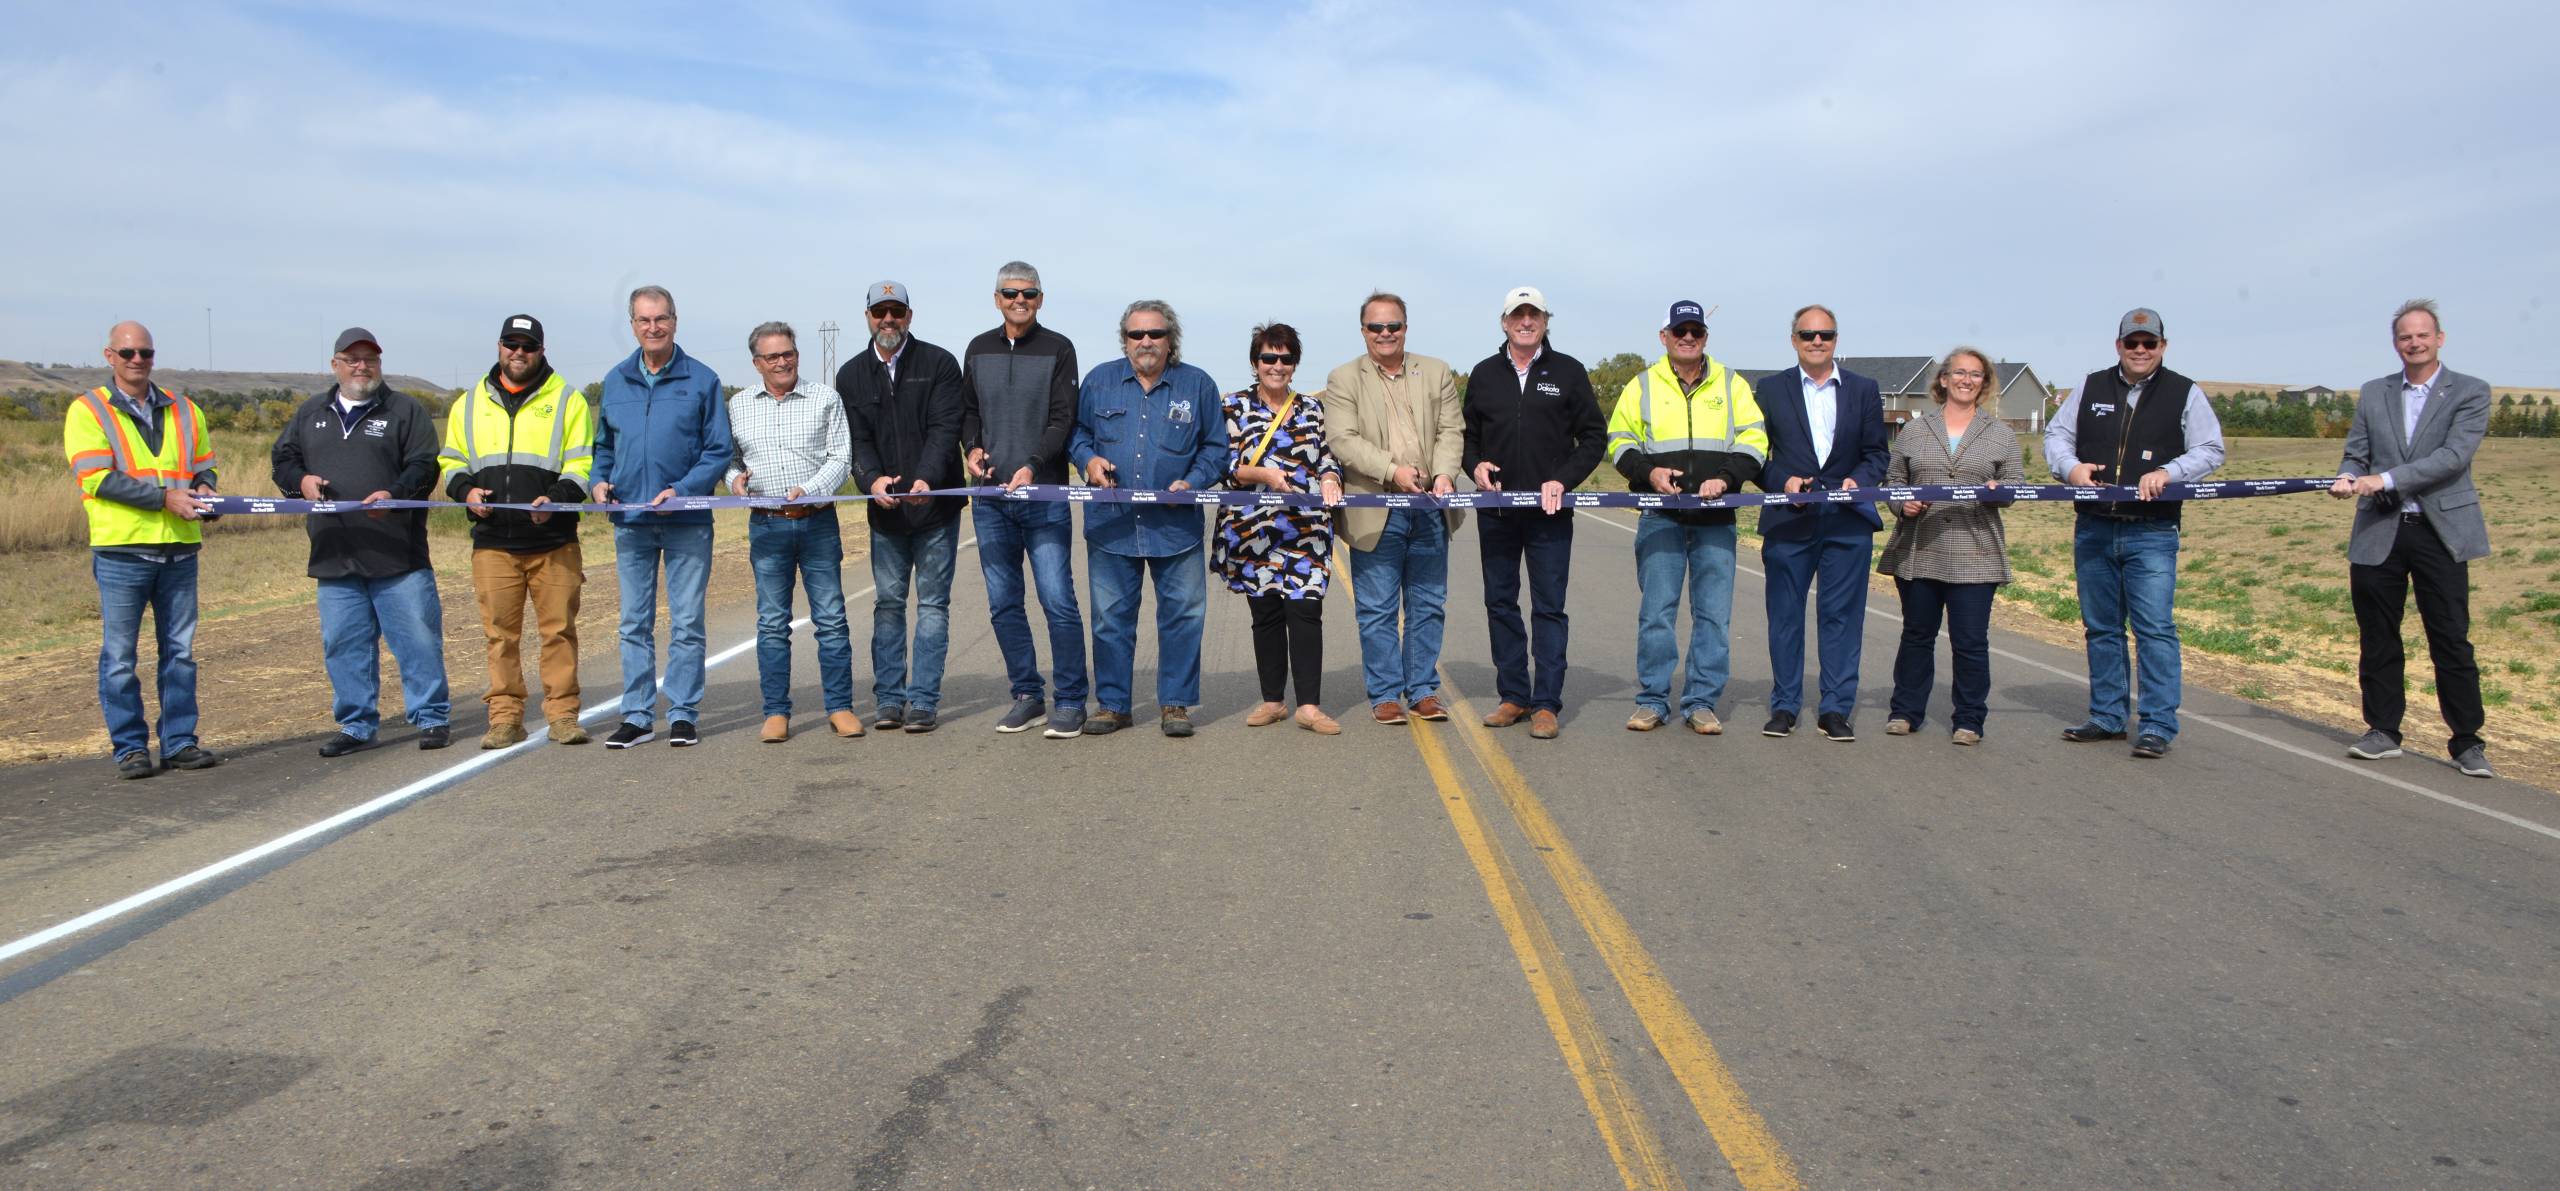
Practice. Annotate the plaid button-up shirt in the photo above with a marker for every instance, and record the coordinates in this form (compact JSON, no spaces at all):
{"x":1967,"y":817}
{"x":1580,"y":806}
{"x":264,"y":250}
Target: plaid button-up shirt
{"x":797,"y":440}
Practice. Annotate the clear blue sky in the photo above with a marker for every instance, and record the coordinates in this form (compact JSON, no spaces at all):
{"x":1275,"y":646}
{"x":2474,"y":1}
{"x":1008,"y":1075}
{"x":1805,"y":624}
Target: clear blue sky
{"x":2273,"y":178}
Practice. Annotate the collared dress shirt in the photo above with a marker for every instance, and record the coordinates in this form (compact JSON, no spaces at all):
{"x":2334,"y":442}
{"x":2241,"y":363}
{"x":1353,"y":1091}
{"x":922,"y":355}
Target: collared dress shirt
{"x":798,"y":440}
{"x":2196,"y":421}
{"x":1822,"y":411}
{"x":2413,"y":402}
{"x":1152,"y":438}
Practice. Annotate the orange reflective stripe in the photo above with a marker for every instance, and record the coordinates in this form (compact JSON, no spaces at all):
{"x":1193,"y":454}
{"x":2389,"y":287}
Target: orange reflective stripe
{"x":111,"y":426}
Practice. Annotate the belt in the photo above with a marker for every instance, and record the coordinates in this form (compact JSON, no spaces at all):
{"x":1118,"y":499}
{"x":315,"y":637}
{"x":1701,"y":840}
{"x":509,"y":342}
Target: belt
{"x":788,"y":512}
{"x":2407,"y":516}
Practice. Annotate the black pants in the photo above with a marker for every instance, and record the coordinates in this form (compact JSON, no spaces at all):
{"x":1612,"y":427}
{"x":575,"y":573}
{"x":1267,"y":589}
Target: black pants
{"x":1528,"y":661}
{"x":1966,"y":609}
{"x":1288,"y":637}
{"x":2381,"y":595}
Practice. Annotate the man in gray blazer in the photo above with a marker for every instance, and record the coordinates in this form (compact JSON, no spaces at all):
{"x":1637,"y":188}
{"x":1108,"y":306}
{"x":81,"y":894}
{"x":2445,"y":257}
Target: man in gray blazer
{"x":2408,"y":467}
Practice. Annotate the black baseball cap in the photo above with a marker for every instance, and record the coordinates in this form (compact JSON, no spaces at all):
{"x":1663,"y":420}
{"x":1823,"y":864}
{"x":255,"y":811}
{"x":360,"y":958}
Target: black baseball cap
{"x":521,"y":326}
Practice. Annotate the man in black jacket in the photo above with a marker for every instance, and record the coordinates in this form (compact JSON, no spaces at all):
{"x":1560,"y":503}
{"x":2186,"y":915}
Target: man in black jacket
{"x":1020,"y":386}
{"x":903,"y":402}
{"x":1531,"y":421}
{"x":362,"y":440}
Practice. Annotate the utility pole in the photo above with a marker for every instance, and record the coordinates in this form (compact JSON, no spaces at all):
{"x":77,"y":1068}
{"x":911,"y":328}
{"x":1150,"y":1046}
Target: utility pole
{"x":208,"y":338}
{"x":827,"y":336}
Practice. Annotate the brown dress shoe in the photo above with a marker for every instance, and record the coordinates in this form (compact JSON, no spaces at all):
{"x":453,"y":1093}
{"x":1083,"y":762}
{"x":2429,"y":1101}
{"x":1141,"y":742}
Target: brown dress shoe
{"x":1543,"y":725}
{"x":845,"y":722}
{"x":1389,"y":713}
{"x":1430,"y":707}
{"x":1313,"y":719}
{"x":1265,"y":715}
{"x":777,"y":728}
{"x":1505,"y":715}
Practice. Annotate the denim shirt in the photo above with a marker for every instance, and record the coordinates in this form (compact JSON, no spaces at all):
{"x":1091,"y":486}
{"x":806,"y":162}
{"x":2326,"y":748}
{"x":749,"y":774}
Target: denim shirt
{"x":1154,"y":438}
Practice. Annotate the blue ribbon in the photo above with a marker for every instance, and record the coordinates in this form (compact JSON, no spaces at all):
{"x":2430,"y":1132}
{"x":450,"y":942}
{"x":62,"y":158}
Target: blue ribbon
{"x":230,"y":505}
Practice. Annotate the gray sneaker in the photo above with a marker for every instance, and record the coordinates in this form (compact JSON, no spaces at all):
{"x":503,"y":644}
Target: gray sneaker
{"x":2474,"y":762}
{"x":1025,"y":712}
{"x":1065,"y":723}
{"x":2377,"y":745}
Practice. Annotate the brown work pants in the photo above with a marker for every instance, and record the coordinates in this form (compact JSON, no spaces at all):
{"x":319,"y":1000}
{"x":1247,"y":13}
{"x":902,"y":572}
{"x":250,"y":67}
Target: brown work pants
{"x":552,"y":578}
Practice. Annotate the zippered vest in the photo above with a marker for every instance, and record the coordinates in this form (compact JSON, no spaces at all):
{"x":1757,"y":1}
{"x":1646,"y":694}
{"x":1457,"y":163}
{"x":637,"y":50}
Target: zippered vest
{"x":108,"y":440}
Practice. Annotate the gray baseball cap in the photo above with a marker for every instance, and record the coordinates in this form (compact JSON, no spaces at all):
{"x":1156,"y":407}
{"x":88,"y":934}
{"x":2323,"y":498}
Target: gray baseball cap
{"x":886,"y":291}
{"x":352,"y":336}
{"x":2145,"y":320}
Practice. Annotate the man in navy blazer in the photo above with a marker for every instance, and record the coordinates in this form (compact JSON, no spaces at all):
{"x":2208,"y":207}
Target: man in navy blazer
{"x":1826,"y":432}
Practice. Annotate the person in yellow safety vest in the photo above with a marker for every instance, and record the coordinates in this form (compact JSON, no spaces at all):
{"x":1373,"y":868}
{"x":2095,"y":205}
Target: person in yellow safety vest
{"x":1688,"y":424}
{"x":523,"y":436}
{"x":141,"y":456}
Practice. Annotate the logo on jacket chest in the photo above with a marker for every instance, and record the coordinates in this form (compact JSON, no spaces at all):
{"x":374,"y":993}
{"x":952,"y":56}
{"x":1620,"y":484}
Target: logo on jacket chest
{"x":374,"y":427}
{"x":1548,"y":388}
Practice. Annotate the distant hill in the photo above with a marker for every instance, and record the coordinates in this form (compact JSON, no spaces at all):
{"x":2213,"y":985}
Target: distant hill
{"x":18,"y":376}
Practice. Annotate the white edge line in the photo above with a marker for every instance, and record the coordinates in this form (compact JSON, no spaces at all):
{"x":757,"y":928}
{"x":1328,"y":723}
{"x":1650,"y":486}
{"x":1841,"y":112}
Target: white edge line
{"x":405,"y":793}
{"x":2234,"y":729}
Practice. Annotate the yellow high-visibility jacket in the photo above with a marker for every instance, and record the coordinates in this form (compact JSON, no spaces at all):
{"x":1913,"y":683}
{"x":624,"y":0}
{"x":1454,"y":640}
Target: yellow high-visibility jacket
{"x":107,"y":448}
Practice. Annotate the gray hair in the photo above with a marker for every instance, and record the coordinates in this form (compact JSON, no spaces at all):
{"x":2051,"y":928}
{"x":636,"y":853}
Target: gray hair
{"x":2426,"y":306}
{"x":1379,"y":295}
{"x":766,"y":330}
{"x":1802,"y":311}
{"x":1018,"y":271}
{"x":1172,"y":322}
{"x":631,"y":307}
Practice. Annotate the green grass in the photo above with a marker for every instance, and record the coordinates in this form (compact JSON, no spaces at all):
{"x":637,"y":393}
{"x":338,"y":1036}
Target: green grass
{"x":2238,"y":641}
{"x":2546,"y":556}
{"x":2253,"y":691}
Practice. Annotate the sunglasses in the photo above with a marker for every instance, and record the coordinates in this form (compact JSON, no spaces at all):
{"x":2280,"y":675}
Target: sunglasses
{"x":2140,"y":343}
{"x":1275,"y":358}
{"x":1688,"y":331}
{"x":778,"y":357}
{"x":1147,"y":333}
{"x":1382,"y":328}
{"x":886,"y":313}
{"x":1011,"y":294}
{"x":1817,"y":336}
{"x":519,"y":345}
{"x":127,"y":353}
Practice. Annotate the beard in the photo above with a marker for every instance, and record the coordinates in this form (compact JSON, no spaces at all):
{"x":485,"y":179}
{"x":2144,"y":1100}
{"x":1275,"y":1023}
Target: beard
{"x":888,"y":339}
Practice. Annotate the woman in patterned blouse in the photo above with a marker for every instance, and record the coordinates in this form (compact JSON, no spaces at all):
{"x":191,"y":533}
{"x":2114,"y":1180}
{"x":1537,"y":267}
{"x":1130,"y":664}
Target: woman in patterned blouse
{"x":1278,"y":555}
{"x":1948,"y":558}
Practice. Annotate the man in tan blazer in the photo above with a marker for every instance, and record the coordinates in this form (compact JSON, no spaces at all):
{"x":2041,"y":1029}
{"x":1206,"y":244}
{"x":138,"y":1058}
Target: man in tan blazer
{"x":1394,"y":423}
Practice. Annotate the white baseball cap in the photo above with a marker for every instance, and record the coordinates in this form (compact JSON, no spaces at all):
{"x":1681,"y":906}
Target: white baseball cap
{"x":1526,"y":295}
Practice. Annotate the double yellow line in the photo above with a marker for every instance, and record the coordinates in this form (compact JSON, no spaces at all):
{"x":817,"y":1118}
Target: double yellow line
{"x":1748,"y":1146}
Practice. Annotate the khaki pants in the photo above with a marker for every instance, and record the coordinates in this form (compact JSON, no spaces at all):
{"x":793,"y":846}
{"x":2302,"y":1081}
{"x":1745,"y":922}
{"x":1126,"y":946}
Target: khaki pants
{"x":552,"y":578}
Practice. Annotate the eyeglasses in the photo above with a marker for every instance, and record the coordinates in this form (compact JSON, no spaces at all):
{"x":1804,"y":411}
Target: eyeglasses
{"x":779,"y":357}
{"x":127,"y":353}
{"x":1147,"y":333}
{"x":1011,"y":294}
{"x":1817,"y":336}
{"x":1963,"y":374}
{"x":1382,"y":328}
{"x":361,"y":361}
{"x":519,"y":346}
{"x":653,"y":320}
{"x":2140,"y":343}
{"x":890,"y":313}
{"x":1688,"y":331}
{"x":1290,"y":359}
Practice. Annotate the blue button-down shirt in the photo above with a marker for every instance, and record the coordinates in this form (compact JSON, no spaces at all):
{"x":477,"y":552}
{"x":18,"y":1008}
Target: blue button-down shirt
{"x":1152,"y":438}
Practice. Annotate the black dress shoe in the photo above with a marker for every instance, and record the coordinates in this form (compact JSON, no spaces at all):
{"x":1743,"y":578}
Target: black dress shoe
{"x":342,"y":744}
{"x":2149,"y":745}
{"x":436,"y":737}
{"x":1836,"y":726}
{"x":1781,"y":723}
{"x":2090,"y":731}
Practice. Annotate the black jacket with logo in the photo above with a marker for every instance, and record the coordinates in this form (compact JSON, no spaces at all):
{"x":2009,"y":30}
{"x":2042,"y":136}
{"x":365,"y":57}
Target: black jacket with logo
{"x":1552,"y":431}
{"x":389,"y":446}
{"x":910,"y":430}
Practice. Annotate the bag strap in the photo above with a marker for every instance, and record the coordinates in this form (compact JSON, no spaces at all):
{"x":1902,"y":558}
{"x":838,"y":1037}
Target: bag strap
{"x":1254,"y":458}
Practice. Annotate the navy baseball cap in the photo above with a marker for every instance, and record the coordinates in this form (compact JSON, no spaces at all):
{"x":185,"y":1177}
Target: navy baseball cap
{"x":1684,"y":311}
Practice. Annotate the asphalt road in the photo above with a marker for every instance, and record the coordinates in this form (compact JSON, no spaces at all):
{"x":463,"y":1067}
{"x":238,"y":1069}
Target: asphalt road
{"x":1409,"y":957}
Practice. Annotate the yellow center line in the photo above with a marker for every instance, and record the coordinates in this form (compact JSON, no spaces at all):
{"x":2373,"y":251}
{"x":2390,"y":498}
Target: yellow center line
{"x":1632,"y":1141}
{"x":1624,"y":1127}
{"x":1753,"y":1151}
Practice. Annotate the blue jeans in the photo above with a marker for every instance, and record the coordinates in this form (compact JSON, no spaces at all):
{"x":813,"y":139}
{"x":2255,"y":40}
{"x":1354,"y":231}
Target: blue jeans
{"x":1966,"y":608}
{"x":358,"y":615}
{"x":927,"y":556}
{"x":686,"y":550}
{"x":1839,"y":561}
{"x":1509,"y":539}
{"x":1670,"y":556}
{"x":2128,"y":572}
{"x":1044,"y":531}
{"x":1399,"y":594}
{"x":126,"y":585}
{"x":1182,"y":605}
{"x":812,"y":549}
